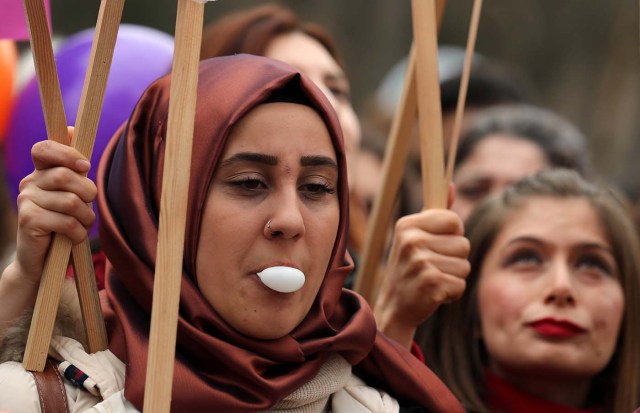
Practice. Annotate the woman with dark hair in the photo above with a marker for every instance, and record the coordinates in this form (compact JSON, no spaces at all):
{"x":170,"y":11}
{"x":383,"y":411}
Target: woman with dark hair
{"x":550,"y":321}
{"x":505,"y":143}
{"x":268,"y":190}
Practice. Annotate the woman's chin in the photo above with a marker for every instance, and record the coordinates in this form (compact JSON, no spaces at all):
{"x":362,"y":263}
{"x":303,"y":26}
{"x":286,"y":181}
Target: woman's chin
{"x":267,"y":330}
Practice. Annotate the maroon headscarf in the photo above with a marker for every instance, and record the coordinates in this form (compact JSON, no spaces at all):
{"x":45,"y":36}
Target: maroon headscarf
{"x":217,"y":368}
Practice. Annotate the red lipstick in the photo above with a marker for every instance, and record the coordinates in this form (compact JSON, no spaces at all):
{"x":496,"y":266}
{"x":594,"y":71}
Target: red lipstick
{"x":552,"y":327}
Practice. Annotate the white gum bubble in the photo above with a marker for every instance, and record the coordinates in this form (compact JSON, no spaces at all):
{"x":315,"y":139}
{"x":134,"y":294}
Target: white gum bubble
{"x":282,"y":279}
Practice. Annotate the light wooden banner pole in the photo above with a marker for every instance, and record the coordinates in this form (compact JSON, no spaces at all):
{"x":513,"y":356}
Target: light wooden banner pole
{"x":434,"y":190}
{"x":464,"y":84}
{"x":173,"y":207}
{"x":393,"y":167}
{"x":83,"y":138}
{"x":48,"y":84}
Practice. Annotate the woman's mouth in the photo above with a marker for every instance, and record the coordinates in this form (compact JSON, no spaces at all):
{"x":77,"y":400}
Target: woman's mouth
{"x":551,"y":327}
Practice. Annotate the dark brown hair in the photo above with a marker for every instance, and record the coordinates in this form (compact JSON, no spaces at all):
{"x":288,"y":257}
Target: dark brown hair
{"x":562,"y":144}
{"x":251,"y":31}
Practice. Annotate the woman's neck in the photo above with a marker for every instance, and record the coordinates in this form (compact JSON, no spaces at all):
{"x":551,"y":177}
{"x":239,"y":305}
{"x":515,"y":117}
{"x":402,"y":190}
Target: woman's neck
{"x":570,"y":392}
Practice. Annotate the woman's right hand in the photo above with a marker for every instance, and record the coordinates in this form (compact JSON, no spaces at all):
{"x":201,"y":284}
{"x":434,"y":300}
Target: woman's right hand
{"x":53,"y":198}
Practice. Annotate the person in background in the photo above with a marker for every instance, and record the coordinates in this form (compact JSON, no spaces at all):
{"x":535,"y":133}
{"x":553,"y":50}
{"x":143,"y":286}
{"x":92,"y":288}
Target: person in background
{"x":506,"y":143}
{"x":551,"y":318}
{"x":491,"y":83}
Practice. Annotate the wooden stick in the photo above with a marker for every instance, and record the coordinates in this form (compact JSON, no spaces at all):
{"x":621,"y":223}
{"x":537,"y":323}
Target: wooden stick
{"x":56,"y":124}
{"x":429,"y":104}
{"x":394,"y":162}
{"x":48,"y":84}
{"x":464,"y":84}
{"x":393,"y":167}
{"x":87,"y":288}
{"x":173,"y":207}
{"x":83,"y":138}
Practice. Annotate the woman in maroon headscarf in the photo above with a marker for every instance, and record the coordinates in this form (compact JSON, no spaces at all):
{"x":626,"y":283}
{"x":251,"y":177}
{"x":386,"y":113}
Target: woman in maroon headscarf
{"x":268,"y":188}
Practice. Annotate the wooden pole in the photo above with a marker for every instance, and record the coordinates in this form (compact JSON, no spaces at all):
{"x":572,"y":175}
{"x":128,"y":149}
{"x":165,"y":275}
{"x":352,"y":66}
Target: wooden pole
{"x":392,"y":170}
{"x":173,"y":207}
{"x":464,"y":84}
{"x":83,"y":138}
{"x":393,"y":167}
{"x":87,"y":288}
{"x":48,"y":84}
{"x":429,"y":104}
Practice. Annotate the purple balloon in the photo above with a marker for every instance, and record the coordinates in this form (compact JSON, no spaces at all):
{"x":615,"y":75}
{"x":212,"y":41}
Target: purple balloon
{"x":141,"y":56}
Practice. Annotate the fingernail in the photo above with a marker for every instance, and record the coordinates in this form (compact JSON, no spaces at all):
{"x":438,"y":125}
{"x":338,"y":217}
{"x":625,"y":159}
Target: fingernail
{"x":82,"y":165}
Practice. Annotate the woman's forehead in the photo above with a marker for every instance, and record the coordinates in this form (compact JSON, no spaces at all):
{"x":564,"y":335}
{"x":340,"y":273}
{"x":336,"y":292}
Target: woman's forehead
{"x":278,"y":126}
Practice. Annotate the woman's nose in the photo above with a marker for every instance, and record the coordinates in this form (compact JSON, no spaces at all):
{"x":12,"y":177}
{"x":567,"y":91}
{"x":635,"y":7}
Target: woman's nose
{"x":286,"y":221}
{"x":561,"y":290}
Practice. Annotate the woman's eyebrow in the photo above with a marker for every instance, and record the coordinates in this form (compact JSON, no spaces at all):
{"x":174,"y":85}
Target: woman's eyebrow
{"x":318,"y":160}
{"x":312,"y":160}
{"x":250,"y":157}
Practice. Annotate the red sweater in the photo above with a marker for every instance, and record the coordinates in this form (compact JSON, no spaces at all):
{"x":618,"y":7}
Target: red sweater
{"x":503,"y":397}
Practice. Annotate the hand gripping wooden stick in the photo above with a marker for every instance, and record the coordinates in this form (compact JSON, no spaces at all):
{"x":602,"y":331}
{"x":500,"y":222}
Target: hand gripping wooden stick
{"x":393,"y":167}
{"x":173,"y":206}
{"x":55,"y":122}
{"x":83,"y":139}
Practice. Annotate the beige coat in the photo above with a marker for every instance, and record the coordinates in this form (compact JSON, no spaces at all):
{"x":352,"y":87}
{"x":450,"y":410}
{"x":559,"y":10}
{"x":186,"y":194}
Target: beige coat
{"x":334,"y":390}
{"x":103,"y":392}
{"x":18,"y":391}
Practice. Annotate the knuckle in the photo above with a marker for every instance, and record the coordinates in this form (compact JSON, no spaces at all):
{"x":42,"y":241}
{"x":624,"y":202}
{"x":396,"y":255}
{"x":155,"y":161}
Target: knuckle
{"x":23,"y":197}
{"x":418,"y":266}
{"x":403,"y":222}
{"x":466,"y":268}
{"x":40,"y":148}
{"x":89,"y":190}
{"x":89,"y":219}
{"x":466,"y":246}
{"x":25,"y":216}
{"x":72,"y":228}
{"x":25,"y":182}
{"x":457,"y":293}
{"x":71,"y":204}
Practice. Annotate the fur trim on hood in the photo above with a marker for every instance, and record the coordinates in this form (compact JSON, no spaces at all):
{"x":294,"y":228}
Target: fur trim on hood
{"x":68,"y":324}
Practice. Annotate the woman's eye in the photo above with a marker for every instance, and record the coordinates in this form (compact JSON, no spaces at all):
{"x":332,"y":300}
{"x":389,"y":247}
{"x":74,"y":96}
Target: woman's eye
{"x":249,"y":184}
{"x":524,"y":259}
{"x":317,"y":190}
{"x":474,"y":192}
{"x":341,"y":93}
{"x":595,"y":263}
